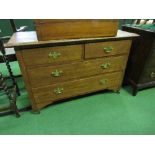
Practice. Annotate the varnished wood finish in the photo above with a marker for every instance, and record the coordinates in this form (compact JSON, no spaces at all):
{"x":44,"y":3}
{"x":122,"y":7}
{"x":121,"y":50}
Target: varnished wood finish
{"x":94,"y":50}
{"x":26,"y":79}
{"x":41,"y":76}
{"x":45,"y":95}
{"x":69,"y":28}
{"x":40,"y":56}
{"x":141,"y":61}
{"x":79,"y":75}
{"x":24,"y":40}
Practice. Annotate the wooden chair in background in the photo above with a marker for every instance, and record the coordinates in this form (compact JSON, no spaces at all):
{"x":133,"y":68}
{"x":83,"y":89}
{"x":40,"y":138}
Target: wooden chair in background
{"x":6,"y":61}
{"x":11,"y":95}
{"x":10,"y":91}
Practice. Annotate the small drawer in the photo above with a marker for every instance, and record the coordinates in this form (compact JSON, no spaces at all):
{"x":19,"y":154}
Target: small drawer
{"x":47,"y":75}
{"x":148,"y":75}
{"x":52,"y":55}
{"x":95,"y":50}
{"x":44,"y":95}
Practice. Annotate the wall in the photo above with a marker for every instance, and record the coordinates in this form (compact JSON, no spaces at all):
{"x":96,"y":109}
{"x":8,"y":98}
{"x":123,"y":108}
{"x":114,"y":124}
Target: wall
{"x":6,"y":29}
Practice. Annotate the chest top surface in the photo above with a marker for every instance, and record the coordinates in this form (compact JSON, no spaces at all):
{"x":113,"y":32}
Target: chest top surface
{"x":142,"y":30}
{"x":29,"y":39}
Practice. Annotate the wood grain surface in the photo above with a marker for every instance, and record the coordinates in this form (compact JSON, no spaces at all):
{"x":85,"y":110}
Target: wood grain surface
{"x":40,"y":56}
{"x":67,"y":29}
{"x":42,"y":76}
{"x":46,"y":95}
{"x":94,"y":50}
{"x":79,"y":65}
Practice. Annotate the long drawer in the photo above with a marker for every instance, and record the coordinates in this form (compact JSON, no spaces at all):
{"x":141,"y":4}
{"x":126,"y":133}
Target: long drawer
{"x":52,"y":55}
{"x":41,"y":76}
{"x":63,"y":90}
{"x":101,"y":49}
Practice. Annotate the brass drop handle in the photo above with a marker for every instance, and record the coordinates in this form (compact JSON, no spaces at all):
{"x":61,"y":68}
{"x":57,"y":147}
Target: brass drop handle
{"x":103,"y":81}
{"x":108,"y":49}
{"x":54,"y":55}
{"x":152,"y":74}
{"x":58,"y":90}
{"x":56,"y":73}
{"x":105,"y":65}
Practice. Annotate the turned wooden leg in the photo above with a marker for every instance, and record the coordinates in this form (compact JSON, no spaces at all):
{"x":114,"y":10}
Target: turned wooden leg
{"x":12,"y":76}
{"x":15,"y":109}
{"x":11,"y":96}
{"x":5,"y":58}
{"x":13,"y":103}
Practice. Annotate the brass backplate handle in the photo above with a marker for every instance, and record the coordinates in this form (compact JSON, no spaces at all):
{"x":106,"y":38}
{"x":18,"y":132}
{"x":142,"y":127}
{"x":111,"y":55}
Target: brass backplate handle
{"x":58,"y":90}
{"x":152,"y":74}
{"x":57,"y":73}
{"x":54,"y":55}
{"x":103,"y":81}
{"x":105,"y":65}
{"x":108,"y":49}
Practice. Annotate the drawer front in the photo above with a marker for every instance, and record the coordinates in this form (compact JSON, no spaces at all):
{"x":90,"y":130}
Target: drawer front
{"x":52,"y":55}
{"x":59,"y":91}
{"x":42,"y":76}
{"x":148,"y":75}
{"x":94,"y":50}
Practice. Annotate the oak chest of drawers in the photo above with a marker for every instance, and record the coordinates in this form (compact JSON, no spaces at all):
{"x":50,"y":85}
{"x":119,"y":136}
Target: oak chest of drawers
{"x":55,"y":70}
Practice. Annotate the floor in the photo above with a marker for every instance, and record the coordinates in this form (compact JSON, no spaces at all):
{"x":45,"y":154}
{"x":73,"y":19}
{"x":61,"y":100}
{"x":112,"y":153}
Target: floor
{"x":100,"y":113}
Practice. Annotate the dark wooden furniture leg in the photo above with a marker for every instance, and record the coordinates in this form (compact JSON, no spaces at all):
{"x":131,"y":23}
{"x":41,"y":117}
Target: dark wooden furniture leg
{"x":13,"y":105}
{"x":9,"y":67}
{"x":11,"y":96}
{"x":135,"y":91}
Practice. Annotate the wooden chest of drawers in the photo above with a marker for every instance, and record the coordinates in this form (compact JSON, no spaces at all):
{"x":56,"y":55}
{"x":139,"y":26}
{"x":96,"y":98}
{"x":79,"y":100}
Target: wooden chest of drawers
{"x":55,"y":70}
